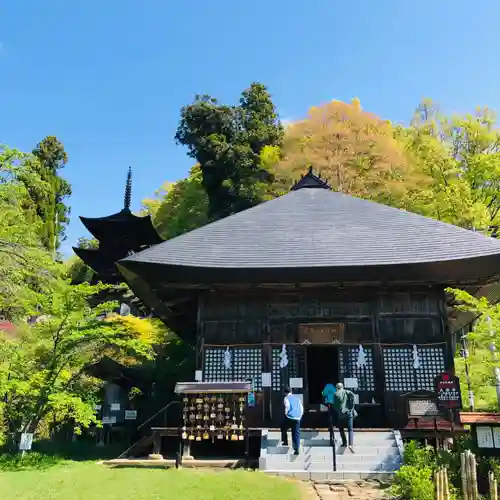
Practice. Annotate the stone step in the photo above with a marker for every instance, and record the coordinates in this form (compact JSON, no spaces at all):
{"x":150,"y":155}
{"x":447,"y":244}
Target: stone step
{"x":350,"y":459}
{"x":334,"y":476}
{"x":346,"y":459}
{"x":325,"y":440}
{"x":374,"y":452}
{"x":340,"y":451}
{"x":271,"y":463}
{"x":383,"y":435}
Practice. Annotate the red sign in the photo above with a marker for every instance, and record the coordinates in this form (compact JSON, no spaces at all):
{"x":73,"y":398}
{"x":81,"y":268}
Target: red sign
{"x":448,"y":392}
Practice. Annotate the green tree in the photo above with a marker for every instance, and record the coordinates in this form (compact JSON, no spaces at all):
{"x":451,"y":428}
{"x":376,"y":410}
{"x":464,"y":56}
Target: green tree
{"x":183,"y":208}
{"x":47,"y":366}
{"x":480,"y":360}
{"x":461,"y":156}
{"x":26,"y":270}
{"x":77,"y":270}
{"x":51,"y":207}
{"x":227,"y":141}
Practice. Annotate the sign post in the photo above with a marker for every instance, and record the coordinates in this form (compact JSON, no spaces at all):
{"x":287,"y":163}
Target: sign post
{"x":25,"y":442}
{"x":448,"y":396}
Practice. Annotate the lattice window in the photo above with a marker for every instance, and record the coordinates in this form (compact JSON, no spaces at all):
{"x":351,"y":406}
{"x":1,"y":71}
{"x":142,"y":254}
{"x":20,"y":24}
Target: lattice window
{"x":246,"y":363}
{"x":398,"y":368}
{"x":348,"y":358}
{"x":401,"y":376}
{"x":276,"y":370}
{"x":431,"y":365}
{"x":213,"y":366}
{"x":293,"y":369}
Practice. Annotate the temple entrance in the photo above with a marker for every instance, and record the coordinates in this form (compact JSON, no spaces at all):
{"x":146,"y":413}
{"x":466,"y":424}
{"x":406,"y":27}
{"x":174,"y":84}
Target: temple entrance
{"x":322,"y":367}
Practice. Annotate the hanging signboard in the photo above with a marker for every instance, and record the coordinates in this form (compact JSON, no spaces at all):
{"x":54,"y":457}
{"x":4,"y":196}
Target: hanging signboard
{"x":321,"y":333}
{"x":422,"y":408}
{"x":447,"y":387}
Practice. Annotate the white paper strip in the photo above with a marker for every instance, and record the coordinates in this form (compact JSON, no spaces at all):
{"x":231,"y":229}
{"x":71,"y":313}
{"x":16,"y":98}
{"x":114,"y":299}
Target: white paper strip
{"x":115,"y":406}
{"x":356,"y":399}
{"x":266,"y":380}
{"x":351,"y":383}
{"x":198,"y":375}
{"x":361,"y":361}
{"x":296,"y":383}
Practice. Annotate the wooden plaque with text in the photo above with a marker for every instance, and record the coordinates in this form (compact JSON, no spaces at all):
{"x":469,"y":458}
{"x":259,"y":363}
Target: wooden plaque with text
{"x":322,"y":333}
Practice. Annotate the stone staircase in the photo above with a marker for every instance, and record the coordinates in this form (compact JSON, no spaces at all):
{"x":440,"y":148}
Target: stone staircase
{"x":377,"y":455}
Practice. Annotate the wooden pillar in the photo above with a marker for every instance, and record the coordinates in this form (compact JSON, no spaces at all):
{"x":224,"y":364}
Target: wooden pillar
{"x":199,"y":337}
{"x":267,"y":364}
{"x":156,"y":443}
{"x":449,"y":354}
{"x":378,"y":360}
{"x":186,"y":451}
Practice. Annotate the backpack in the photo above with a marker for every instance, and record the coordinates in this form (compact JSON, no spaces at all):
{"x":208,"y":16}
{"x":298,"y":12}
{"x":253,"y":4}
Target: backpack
{"x":350,"y":401}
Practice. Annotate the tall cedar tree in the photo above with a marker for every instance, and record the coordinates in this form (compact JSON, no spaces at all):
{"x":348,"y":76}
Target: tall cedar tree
{"x":51,"y":209}
{"x":227,"y":141}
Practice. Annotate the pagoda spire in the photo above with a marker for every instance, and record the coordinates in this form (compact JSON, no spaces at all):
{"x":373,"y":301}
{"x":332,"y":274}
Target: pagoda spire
{"x":128,"y":191}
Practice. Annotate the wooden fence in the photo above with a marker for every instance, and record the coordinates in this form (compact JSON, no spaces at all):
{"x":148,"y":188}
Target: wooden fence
{"x":468,"y":472}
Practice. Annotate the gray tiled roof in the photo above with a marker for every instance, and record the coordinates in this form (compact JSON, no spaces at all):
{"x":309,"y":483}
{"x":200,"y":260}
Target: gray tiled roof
{"x":319,"y":228}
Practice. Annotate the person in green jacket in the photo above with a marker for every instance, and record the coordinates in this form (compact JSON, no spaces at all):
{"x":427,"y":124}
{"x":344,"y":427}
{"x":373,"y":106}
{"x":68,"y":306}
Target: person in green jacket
{"x":343,"y":404}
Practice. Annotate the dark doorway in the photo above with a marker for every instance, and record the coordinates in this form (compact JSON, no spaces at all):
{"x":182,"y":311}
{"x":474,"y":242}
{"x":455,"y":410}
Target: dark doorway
{"x":322,"y":367}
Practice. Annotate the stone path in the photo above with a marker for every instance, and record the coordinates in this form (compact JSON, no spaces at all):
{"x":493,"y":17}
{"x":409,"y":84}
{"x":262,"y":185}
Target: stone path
{"x":346,"y":491}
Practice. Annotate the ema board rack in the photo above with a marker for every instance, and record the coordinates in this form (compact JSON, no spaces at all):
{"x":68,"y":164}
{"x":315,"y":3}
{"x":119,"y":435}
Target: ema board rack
{"x":213,"y":410}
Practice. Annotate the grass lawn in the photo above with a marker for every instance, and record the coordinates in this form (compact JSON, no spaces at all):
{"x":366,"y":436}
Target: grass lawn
{"x":90,"y":481}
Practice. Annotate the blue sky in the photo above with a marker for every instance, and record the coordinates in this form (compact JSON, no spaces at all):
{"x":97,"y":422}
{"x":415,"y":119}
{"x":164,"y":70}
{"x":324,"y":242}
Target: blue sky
{"x":109,"y":77}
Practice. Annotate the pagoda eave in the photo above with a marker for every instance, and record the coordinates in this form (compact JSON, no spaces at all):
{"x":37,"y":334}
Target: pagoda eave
{"x":119,"y":224}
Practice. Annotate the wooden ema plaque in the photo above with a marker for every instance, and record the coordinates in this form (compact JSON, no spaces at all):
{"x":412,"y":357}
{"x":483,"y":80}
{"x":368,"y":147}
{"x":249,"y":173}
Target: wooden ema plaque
{"x":322,"y":333}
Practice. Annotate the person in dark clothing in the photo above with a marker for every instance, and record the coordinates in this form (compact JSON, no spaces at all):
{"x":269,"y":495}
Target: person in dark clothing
{"x":343,"y":403}
{"x":294,"y":411}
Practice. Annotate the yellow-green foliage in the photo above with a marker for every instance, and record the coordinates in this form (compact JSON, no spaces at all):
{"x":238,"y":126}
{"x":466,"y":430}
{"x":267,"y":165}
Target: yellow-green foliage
{"x":480,"y":360}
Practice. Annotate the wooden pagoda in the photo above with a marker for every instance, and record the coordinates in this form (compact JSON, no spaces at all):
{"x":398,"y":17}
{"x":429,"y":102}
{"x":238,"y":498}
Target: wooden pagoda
{"x":315,"y":287}
{"x":119,"y":235}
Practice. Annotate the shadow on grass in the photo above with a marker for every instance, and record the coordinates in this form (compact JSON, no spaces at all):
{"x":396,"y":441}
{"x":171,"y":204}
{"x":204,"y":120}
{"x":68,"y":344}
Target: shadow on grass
{"x":47,"y":454}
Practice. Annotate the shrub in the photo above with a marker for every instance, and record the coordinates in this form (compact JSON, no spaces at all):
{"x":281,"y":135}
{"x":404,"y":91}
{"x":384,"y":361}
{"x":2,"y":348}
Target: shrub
{"x":419,"y":456}
{"x":413,"y":482}
{"x":30,"y":460}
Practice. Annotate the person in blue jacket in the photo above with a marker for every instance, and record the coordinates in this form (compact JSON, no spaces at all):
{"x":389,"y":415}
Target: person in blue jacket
{"x":328,"y":394}
{"x":294,"y":411}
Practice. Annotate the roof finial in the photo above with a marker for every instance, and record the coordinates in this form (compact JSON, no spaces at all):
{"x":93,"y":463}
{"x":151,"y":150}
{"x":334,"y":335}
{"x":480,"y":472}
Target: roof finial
{"x":310,"y":180}
{"x":128,"y":191}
